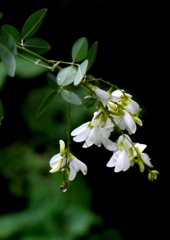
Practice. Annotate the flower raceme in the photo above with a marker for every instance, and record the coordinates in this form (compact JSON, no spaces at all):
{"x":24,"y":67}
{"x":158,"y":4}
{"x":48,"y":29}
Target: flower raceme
{"x":64,"y":161}
{"x":116,"y":109}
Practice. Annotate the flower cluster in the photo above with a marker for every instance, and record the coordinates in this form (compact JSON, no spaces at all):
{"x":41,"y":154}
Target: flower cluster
{"x":116,"y":110}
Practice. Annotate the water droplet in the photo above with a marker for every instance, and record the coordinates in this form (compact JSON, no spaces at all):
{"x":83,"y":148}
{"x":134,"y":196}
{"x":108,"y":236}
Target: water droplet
{"x":63,"y":189}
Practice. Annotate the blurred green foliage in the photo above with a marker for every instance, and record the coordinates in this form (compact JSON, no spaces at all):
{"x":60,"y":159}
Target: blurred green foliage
{"x":49,"y":214}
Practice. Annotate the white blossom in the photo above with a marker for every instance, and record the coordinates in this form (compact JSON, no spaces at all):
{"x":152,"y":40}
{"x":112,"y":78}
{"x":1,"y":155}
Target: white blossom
{"x":96,"y":132}
{"x":124,"y":111}
{"x":139,"y":150}
{"x":125,"y":121}
{"x":59,"y":162}
{"x":125,"y":154}
{"x":129,"y":105}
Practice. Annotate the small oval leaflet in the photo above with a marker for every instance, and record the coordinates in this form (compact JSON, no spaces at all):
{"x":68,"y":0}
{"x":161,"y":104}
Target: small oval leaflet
{"x":66,"y":76}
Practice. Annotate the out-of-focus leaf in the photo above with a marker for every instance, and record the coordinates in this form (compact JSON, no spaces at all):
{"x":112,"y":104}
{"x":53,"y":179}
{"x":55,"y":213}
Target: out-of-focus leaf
{"x":51,"y":78}
{"x":3,"y":75}
{"x":8,"y":53}
{"x":12,"y":31}
{"x":1,"y":15}
{"x":26,"y":69}
{"x":66,"y":75}
{"x":1,"y":112}
{"x":91,"y":55}
{"x":81,"y":71}
{"x":37,"y":45}
{"x":32,"y":24}
{"x":79,"y":49}
{"x":46,"y":102}
{"x":71,"y":97}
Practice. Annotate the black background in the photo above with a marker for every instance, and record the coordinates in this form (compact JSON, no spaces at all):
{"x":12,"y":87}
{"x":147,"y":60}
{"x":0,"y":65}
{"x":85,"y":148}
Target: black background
{"x":131,"y":55}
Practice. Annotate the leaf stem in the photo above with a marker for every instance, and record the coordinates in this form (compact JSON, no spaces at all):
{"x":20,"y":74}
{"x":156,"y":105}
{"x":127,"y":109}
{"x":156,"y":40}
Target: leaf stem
{"x":54,"y":63}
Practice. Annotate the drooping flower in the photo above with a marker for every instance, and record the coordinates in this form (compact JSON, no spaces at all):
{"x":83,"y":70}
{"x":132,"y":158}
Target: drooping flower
{"x":126,"y":100}
{"x":144,"y":157}
{"x":120,"y":158}
{"x":127,"y":154}
{"x":64,"y":160}
{"x":96,"y":132}
{"x":125,"y":121}
{"x":124,"y":111}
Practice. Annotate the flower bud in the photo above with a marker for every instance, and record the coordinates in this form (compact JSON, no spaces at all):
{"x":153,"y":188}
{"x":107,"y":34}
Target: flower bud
{"x":153,"y":174}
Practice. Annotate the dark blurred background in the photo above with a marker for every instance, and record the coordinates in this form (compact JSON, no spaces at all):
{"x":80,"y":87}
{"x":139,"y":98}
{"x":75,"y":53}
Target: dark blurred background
{"x":103,"y":204}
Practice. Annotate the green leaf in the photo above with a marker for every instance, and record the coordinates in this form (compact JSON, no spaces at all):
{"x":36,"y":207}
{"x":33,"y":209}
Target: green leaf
{"x":51,"y":78}
{"x":12,"y":31}
{"x":91,"y":55}
{"x":32,"y":24}
{"x":1,"y":15}
{"x":71,"y":97}
{"x":81,"y":71}
{"x":1,"y":112}
{"x":37,"y":45}
{"x":8,"y":53}
{"x":46,"y":102}
{"x":79,"y":49}
{"x":66,"y":75}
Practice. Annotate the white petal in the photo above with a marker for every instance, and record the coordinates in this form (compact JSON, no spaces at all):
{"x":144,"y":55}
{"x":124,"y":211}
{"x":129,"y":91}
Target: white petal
{"x":130,"y":123}
{"x":82,"y":136}
{"x":116,"y":95}
{"x":91,"y":139}
{"x":55,"y":159}
{"x":120,"y":161}
{"x":79,"y":129}
{"x":57,"y":166}
{"x":112,"y":161}
{"x":102,"y":95}
{"x":141,"y":147}
{"x":126,"y":162}
{"x":133,"y":107}
{"x":62,"y":147}
{"x":76,"y":165}
{"x":146,"y":159}
{"x":109,"y":145}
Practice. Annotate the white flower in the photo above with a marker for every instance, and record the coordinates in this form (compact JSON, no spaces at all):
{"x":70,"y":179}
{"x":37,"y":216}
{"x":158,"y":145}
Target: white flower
{"x":125,"y":121}
{"x":95,"y":132}
{"x":59,"y":162}
{"x":120,"y":158}
{"x":120,"y":161}
{"x":102,"y":95}
{"x":125,"y":111}
{"x":127,"y":153}
{"x":145,"y":158}
{"x":130,"y":105}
